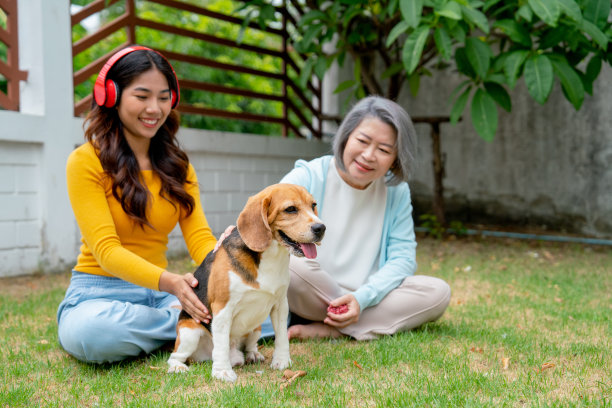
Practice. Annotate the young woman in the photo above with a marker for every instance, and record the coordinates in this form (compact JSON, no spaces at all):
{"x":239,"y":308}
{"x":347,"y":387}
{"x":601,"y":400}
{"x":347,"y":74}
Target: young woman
{"x":129,"y":185}
{"x":366,"y":262}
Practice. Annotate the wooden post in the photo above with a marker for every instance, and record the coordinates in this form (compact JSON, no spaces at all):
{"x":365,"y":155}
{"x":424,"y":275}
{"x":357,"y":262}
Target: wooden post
{"x":438,"y":165}
{"x":284,"y":72}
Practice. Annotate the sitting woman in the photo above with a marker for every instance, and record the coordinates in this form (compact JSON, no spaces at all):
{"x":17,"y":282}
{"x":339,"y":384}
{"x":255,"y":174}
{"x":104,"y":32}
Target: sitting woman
{"x":362,"y":283}
{"x":129,"y":186}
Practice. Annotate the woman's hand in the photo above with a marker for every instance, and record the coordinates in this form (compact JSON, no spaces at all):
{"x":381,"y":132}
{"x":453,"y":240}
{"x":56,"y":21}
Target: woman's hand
{"x":344,"y":319}
{"x":227,"y":231}
{"x":182,"y":286}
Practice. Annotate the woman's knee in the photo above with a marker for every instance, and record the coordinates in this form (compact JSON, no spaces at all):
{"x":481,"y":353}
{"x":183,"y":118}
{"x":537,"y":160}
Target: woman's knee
{"x":440,"y":296}
{"x":91,"y":336}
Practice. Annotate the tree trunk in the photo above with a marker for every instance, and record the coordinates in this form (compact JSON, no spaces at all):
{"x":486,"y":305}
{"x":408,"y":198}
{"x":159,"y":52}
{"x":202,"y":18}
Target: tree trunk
{"x":438,"y":166}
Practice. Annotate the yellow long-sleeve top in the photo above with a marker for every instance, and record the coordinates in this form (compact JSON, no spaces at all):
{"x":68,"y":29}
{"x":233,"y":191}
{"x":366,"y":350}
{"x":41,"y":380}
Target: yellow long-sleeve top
{"x":115,"y":245}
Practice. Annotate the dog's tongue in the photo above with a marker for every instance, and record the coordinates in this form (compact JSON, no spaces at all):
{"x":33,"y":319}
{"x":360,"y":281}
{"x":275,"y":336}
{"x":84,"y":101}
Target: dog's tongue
{"x":310,"y":250}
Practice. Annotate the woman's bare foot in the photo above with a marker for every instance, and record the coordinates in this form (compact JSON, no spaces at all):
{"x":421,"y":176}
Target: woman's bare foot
{"x":313,"y":331}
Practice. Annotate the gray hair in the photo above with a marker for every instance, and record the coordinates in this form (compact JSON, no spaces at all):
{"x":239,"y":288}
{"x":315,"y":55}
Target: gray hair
{"x":395,"y":116}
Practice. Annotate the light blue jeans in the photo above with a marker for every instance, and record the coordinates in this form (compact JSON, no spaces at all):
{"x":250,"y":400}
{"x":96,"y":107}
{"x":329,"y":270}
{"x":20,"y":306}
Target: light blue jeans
{"x":104,"y":319}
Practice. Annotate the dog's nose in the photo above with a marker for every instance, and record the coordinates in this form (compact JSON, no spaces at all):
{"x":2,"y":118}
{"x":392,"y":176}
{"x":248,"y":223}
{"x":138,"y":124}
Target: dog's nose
{"x":318,"y":230}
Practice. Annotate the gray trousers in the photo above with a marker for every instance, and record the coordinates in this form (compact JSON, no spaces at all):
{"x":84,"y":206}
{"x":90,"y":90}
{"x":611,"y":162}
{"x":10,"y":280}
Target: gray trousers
{"x":419,"y":299}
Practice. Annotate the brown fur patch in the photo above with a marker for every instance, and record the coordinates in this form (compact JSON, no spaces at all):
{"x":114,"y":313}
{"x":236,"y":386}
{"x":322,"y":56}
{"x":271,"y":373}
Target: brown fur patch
{"x":218,"y":283}
{"x":184,"y":323}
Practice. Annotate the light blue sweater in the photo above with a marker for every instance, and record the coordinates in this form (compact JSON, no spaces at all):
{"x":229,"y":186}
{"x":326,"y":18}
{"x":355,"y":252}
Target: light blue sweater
{"x":397,"y":246}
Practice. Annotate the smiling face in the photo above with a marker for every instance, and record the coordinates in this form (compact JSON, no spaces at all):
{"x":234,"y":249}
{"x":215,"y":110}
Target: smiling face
{"x":144,"y":106}
{"x":369,"y":153}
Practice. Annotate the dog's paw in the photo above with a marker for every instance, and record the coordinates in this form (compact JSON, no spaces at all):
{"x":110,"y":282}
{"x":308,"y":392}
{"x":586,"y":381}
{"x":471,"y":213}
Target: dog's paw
{"x":254,"y":357}
{"x":279,"y":363}
{"x":224,"y":375}
{"x":236,"y":357}
{"x":177,"y":367}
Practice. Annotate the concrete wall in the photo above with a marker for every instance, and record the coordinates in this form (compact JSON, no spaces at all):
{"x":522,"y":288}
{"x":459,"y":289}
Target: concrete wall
{"x":38,"y":232}
{"x":549,"y":165}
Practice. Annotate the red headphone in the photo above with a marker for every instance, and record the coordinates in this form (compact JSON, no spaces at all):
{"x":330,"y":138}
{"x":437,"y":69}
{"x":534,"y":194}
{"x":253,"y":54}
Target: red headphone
{"x":106,"y":91}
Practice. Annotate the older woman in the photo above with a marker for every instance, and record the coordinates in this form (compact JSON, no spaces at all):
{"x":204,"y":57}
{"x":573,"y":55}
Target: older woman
{"x":362,"y":283}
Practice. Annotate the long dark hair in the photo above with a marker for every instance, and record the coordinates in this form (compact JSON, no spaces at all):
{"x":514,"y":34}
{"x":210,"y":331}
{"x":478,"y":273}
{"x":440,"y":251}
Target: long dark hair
{"x":104,"y":130}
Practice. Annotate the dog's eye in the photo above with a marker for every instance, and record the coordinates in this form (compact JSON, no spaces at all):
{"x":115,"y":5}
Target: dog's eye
{"x":314,"y":205}
{"x":291,"y":210}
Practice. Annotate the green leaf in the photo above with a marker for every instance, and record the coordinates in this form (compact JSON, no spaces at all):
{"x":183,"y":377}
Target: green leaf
{"x":392,"y":70}
{"x":593,"y":68}
{"x":592,"y":72}
{"x":499,"y":94}
{"x":586,"y":83}
{"x":450,"y":10}
{"x":548,"y":10}
{"x":458,"y":89}
{"x":457,"y":32}
{"x":320,"y":66}
{"x":459,"y":106}
{"x":595,"y":33}
{"x":311,"y":16}
{"x":489,"y":4}
{"x":443,"y":43}
{"x":266,"y":14}
{"x":411,"y":11}
{"x":514,"y":31}
{"x":571,"y":9}
{"x":413,"y":48}
{"x":396,"y":31}
{"x":597,"y":11}
{"x":498,"y":78}
{"x":484,"y":115}
{"x":348,"y":15}
{"x":414,"y":82}
{"x":538,"y":74}
{"x":554,"y":36}
{"x":526,"y":13}
{"x":306,"y":71}
{"x":392,"y":7}
{"x":570,"y":81}
{"x":463,"y":63}
{"x":345,"y":85}
{"x":245,"y":23}
{"x":512,"y":65}
{"x":311,"y":33}
{"x":476,"y":17}
{"x":479,"y":54}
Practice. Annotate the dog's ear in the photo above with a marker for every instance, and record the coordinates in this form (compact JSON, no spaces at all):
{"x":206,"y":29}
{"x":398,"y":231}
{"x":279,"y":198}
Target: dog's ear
{"x":253,"y":223}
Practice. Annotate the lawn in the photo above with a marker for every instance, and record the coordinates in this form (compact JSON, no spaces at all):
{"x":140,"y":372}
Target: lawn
{"x":529,"y":324}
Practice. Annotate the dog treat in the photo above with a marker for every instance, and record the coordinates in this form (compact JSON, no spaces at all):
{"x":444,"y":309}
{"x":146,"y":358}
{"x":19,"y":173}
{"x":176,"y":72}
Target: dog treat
{"x":337,"y":309}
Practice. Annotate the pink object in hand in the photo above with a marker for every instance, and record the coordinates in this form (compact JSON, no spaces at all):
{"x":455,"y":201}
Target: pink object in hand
{"x":337,"y":309}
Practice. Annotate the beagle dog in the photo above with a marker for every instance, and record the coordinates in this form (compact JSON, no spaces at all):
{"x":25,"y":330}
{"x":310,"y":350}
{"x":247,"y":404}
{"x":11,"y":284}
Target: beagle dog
{"x":246,"y":280}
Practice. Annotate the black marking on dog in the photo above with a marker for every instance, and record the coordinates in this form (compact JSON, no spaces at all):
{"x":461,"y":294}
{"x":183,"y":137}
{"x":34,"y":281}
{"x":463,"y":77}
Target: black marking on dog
{"x":295,"y":245}
{"x":235,"y":246}
{"x":202,"y":274}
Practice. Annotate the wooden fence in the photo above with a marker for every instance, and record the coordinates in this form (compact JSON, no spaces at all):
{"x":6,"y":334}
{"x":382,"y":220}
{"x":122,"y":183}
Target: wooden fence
{"x":9,"y":66}
{"x":299,"y":106}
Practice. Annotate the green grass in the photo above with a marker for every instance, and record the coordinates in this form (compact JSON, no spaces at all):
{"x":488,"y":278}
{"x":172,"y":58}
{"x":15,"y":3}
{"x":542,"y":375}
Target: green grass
{"x":546,"y":308}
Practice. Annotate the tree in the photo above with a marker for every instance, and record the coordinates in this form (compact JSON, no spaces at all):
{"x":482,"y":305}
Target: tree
{"x":492,"y":44}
